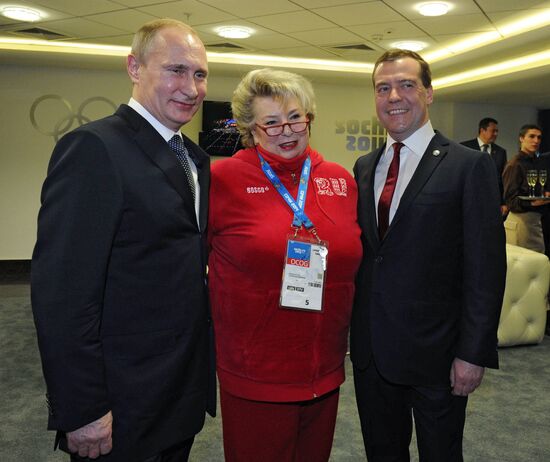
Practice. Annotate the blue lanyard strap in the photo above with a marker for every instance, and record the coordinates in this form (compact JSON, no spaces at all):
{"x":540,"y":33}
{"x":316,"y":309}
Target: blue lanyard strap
{"x":297,"y":206}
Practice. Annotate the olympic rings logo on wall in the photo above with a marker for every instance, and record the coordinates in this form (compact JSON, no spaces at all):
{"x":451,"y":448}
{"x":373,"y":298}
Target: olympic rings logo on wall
{"x":53,"y":115}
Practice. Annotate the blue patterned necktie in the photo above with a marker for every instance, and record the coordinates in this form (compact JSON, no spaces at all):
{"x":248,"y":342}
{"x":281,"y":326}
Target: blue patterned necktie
{"x":177,"y":145}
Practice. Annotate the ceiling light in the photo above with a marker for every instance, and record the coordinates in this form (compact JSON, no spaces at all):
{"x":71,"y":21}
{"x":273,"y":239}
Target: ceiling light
{"x":288,"y":62}
{"x":21,"y":13}
{"x":522,"y":63}
{"x":409,"y":45}
{"x":234,"y":32}
{"x":540,"y":19}
{"x":504,"y":31}
{"x":433,"y":9}
{"x":17,"y":44}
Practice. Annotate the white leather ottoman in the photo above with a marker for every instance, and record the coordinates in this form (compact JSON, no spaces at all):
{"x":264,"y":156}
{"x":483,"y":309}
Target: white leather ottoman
{"x":523,"y":316}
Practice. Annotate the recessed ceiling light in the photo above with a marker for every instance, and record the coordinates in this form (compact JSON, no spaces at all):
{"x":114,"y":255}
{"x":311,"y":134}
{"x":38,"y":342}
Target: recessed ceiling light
{"x":409,"y":45}
{"x":234,"y":32}
{"x":433,"y":8}
{"x":21,"y":13}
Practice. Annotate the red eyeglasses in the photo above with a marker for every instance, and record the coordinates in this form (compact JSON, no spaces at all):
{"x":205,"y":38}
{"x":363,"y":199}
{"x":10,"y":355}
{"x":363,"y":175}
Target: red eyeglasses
{"x":276,"y":130}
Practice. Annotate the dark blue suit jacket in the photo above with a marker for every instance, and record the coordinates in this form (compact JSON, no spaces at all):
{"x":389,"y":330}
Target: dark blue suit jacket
{"x":118,"y":287}
{"x":498,"y":154}
{"x":432,"y":289}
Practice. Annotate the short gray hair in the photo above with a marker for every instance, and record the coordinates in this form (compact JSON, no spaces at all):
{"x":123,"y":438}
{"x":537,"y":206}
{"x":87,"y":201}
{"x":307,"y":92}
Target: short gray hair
{"x":146,"y":34}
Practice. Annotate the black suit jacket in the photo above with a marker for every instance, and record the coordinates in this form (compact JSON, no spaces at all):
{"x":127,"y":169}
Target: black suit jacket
{"x":118,"y":286}
{"x":498,"y":154}
{"x":432,"y":289}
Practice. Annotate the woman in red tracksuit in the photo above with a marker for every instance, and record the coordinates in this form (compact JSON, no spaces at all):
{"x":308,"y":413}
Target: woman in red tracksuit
{"x":280,"y":342}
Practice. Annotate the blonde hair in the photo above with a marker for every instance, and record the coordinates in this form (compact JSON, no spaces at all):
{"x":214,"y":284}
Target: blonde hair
{"x":144,"y":37}
{"x":280,"y":85}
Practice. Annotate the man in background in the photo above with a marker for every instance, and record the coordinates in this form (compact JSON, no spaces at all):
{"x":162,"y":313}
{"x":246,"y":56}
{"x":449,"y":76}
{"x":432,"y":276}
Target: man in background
{"x":485,"y":142}
{"x":430,"y":286}
{"x":118,"y":271}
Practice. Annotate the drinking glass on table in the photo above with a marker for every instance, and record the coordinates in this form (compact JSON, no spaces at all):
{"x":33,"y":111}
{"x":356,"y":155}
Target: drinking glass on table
{"x":532,"y":177}
{"x":542,"y":180}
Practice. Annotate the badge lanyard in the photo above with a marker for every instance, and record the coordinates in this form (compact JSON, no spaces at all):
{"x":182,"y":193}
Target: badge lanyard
{"x":305,"y":262}
{"x":298,"y":205}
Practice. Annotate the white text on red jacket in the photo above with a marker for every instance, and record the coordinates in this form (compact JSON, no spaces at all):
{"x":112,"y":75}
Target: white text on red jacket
{"x":331,"y":186}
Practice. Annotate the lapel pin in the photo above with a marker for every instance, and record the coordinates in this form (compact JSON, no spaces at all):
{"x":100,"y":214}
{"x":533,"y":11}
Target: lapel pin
{"x":436,"y":152}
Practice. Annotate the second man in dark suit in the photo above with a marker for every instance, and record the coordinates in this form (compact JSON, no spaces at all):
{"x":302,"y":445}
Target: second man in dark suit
{"x":485,"y":142}
{"x":118,"y":271}
{"x":430,"y":286}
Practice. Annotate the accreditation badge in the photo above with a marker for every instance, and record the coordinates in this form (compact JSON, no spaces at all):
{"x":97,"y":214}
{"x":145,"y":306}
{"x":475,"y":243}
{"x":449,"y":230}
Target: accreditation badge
{"x":304,"y":274}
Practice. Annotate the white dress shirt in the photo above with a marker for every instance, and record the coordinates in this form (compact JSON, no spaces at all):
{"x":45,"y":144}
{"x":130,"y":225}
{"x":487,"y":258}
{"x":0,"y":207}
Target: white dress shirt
{"x":412,"y":151}
{"x":481,"y":143}
{"x":167,"y":134}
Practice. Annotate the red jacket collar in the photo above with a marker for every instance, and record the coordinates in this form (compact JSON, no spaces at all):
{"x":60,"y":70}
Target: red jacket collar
{"x":276,"y":162}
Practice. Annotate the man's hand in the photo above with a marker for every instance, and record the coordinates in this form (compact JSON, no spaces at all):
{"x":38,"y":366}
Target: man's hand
{"x":465,"y":377}
{"x":504,"y":210}
{"x":94,"y":439}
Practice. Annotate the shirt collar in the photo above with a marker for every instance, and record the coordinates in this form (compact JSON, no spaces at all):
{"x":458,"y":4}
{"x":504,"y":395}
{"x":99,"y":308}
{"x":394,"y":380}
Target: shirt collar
{"x":482,"y":143}
{"x":164,"y":131}
{"x":418,"y":142}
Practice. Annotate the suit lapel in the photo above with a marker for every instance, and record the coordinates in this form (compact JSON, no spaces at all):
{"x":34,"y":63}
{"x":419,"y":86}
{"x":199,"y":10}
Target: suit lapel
{"x":202,"y":162}
{"x":494,"y":151}
{"x":154,"y":146}
{"x":434,"y":154}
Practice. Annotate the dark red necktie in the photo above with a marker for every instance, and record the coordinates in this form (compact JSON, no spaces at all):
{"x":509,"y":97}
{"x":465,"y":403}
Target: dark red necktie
{"x":387,"y":193}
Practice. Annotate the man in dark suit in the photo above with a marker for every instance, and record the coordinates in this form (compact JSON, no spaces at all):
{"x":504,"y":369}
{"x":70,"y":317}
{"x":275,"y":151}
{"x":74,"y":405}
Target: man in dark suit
{"x":430,"y":286}
{"x":118,"y":271}
{"x":485,"y":142}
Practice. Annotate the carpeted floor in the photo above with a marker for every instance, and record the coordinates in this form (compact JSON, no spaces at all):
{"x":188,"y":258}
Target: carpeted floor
{"x":508,"y":416}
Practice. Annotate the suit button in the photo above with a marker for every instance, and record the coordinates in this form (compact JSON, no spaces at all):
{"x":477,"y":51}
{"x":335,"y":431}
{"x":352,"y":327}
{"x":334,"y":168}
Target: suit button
{"x":379,"y":259}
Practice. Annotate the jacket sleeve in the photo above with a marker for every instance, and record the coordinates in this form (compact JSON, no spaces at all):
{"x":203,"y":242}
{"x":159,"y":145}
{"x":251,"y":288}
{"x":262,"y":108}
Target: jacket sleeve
{"x":484,"y":265}
{"x":513,"y":179}
{"x":81,"y":202}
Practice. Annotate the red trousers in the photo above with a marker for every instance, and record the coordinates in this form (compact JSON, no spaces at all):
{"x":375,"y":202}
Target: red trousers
{"x":278,"y":432}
